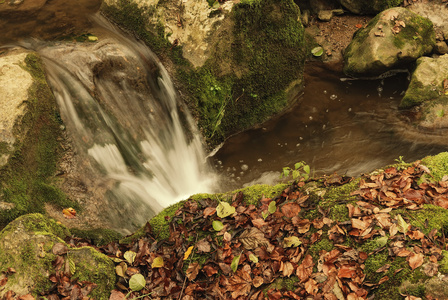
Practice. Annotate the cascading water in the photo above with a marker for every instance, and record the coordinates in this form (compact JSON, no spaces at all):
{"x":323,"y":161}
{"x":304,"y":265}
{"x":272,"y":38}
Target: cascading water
{"x":120,"y":108}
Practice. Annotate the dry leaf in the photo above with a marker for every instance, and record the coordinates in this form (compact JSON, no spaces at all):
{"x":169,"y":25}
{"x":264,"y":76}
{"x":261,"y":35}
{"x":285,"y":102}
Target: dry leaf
{"x":415,"y":260}
{"x":192,"y":271}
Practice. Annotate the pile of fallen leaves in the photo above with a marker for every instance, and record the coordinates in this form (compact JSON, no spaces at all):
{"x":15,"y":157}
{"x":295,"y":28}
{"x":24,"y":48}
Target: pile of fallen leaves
{"x":220,"y":250}
{"x":217,"y":250}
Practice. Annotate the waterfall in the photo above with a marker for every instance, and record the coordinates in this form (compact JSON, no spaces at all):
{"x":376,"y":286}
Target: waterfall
{"x":123,"y":113}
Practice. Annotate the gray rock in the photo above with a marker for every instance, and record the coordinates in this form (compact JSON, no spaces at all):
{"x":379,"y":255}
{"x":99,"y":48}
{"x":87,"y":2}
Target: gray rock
{"x":368,"y":6}
{"x":325,"y":15}
{"x":391,"y":40}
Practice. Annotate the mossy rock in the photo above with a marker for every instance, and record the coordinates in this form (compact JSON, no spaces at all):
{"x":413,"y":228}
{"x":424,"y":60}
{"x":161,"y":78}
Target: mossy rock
{"x":28,"y":177}
{"x":254,"y":59}
{"x":392,"y":40}
{"x":26,"y":246}
{"x":427,"y":81}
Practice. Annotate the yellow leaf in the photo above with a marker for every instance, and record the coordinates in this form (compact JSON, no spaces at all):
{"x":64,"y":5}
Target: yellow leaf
{"x":402,"y":225}
{"x":188,"y":252}
{"x":157,"y":262}
{"x":224,"y":209}
{"x":291,"y":241}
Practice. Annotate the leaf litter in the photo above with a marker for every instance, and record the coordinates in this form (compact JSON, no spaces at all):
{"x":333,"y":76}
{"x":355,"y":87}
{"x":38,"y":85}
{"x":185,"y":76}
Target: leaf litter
{"x":252,"y":250}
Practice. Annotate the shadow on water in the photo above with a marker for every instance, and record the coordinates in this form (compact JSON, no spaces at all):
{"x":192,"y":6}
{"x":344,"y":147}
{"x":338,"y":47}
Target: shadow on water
{"x":348,"y":127}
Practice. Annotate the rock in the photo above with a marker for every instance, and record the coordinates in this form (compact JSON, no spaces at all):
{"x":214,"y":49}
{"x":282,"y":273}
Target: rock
{"x":14,"y":84}
{"x":364,"y":7}
{"x":427,"y":81}
{"x":252,"y":55}
{"x":391,"y":40}
{"x":26,"y":245}
{"x":441,"y":48}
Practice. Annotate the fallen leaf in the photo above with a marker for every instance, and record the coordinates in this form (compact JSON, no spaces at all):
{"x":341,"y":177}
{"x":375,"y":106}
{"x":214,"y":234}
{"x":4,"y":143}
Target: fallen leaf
{"x":241,"y":282}
{"x":26,"y":297}
{"x":252,"y":238}
{"x":401,"y":223}
{"x":272,"y":208}
{"x":286,"y":268}
{"x":203,"y":246}
{"x":188,"y":252}
{"x":305,"y":269}
{"x":59,"y":249}
{"x":430,"y":269}
{"x":137,"y":282}
{"x":117,"y":295}
{"x":253,"y":258}
{"x":257,"y":281}
{"x":208,"y":211}
{"x":224,"y":209}
{"x":290,"y":209}
{"x":291,"y":241}
{"x":415,"y":260}
{"x":130,"y":256}
{"x":69,"y":213}
{"x":235,"y":262}
{"x":192,"y":271}
{"x":157,"y":262}
{"x":311,"y":287}
{"x":209,"y":270}
{"x":217,"y":225}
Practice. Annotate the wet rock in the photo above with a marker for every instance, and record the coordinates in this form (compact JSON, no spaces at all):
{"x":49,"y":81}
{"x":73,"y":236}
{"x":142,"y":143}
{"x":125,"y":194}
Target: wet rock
{"x":393,"y":39}
{"x":26,"y":245}
{"x":368,"y":6}
{"x":326,"y":15}
{"x":14,"y":84}
{"x":427,"y":82}
{"x":429,"y":88}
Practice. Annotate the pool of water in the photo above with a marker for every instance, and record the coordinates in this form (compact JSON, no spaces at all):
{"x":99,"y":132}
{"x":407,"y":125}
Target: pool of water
{"x":338,"y":125}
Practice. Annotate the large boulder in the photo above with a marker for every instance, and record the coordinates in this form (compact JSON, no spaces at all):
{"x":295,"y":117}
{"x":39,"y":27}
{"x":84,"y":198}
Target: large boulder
{"x":391,"y":40}
{"x":429,"y":88}
{"x":237,"y":63}
{"x":14,"y":84}
{"x":29,"y":247}
{"x":369,"y":6}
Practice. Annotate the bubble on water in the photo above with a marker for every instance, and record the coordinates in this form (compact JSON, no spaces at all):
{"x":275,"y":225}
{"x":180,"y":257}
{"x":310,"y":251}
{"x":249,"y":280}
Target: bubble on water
{"x":300,"y":138}
{"x":349,"y":109}
{"x":311,"y":118}
{"x":219,"y":162}
{"x":324,"y":126}
{"x":241,"y":161}
{"x":325,"y":91}
{"x":244,"y":167}
{"x":260,"y":160}
{"x":297,"y":145}
{"x":333,"y":97}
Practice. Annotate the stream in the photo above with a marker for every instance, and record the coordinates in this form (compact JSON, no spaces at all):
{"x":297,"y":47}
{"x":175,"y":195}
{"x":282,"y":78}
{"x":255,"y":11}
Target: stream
{"x":141,"y":150}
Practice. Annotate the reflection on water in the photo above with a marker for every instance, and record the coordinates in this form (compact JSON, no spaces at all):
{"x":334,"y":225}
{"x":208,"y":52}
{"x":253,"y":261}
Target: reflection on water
{"x":348,"y":127}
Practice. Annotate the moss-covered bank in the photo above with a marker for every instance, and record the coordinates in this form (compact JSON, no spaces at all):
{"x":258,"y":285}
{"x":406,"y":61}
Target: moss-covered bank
{"x":28,"y":178}
{"x":254,"y":71}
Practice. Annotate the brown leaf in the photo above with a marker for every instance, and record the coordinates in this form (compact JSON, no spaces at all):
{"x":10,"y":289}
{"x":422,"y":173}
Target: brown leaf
{"x":59,"y":249}
{"x":241,"y":282}
{"x":192,"y":271}
{"x":209,"y":211}
{"x":290,"y":209}
{"x":384,"y":268}
{"x":203,"y":246}
{"x":27,"y":297}
{"x":252,"y":237}
{"x":383,"y":280}
{"x":259,"y":222}
{"x":347,"y":272}
{"x":258,"y":281}
{"x":415,"y":260}
{"x":311,"y":287}
{"x":305,"y":269}
{"x":287,"y":268}
{"x":209,"y":270}
{"x":415,"y":235}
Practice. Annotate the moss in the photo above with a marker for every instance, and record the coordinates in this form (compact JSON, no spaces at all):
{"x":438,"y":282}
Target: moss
{"x":323,"y":244}
{"x":92,"y":266}
{"x":336,"y":199}
{"x":426,"y":219}
{"x":134,"y":18}
{"x":390,"y":289}
{"x":418,"y":31}
{"x":437,"y":164}
{"x":443,"y":264}
{"x":28,"y":177}
{"x":98,"y":236}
